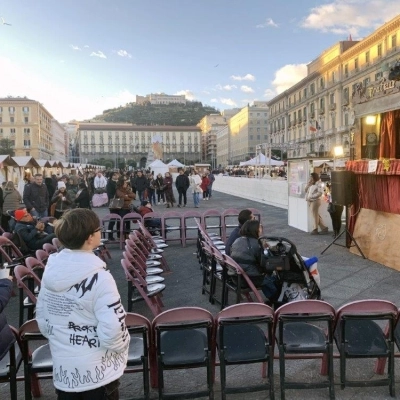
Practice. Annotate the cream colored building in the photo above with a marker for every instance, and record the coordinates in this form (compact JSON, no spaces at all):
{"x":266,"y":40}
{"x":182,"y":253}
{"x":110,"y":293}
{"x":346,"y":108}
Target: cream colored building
{"x":161,"y":98}
{"x":316,"y":114}
{"x":60,"y":141}
{"x":223,"y":145}
{"x":132,"y":142}
{"x":28,"y":125}
{"x":247,"y":129}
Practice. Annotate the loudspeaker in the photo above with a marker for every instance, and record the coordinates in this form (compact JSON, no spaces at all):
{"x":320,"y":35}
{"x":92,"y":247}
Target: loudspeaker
{"x":343,"y":187}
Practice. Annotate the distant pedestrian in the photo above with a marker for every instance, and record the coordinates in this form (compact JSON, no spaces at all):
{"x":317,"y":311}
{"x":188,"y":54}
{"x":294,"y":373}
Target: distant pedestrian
{"x":195,"y":182}
{"x":204,"y":186}
{"x":168,"y":190}
{"x":182,"y":184}
{"x":211,"y":178}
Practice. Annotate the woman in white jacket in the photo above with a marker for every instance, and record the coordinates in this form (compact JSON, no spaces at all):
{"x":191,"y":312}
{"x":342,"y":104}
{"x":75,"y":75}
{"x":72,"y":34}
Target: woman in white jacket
{"x":79,"y":310}
{"x":314,"y":191}
{"x":195,"y":182}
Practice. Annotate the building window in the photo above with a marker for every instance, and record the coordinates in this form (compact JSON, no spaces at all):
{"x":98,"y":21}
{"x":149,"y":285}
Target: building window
{"x":378,"y":76}
{"x":27,"y":131}
{"x":394,"y":41}
{"x":346,"y":119}
{"x":26,"y":120}
{"x":27,"y":143}
{"x":12,"y":131}
{"x":25,"y":110}
{"x":12,"y":120}
{"x":312,"y":88}
{"x":27,"y":153}
{"x":379,"y":50}
{"x":332,"y":98}
{"x":367,"y":57}
{"x":346,"y":70}
{"x":321,"y":83}
{"x":1,"y":120}
{"x":366,"y":82}
{"x":322,"y":104}
{"x":11,"y":110}
{"x":356,"y":64}
{"x":346,"y":97}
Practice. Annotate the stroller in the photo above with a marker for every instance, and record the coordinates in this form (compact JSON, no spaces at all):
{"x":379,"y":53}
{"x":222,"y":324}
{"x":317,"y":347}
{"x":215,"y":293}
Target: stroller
{"x":293,"y":278}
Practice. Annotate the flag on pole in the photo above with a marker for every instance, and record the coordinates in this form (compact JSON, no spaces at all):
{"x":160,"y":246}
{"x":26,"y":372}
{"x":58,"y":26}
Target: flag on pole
{"x":312,"y":129}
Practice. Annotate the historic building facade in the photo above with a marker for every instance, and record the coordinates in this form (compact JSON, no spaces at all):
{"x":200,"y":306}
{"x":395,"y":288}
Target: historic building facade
{"x":316,"y":114}
{"x":132,"y":142}
{"x":28,"y":125}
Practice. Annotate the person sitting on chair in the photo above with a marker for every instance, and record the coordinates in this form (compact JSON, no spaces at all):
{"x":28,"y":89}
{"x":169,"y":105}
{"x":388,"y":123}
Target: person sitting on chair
{"x":34,"y":233}
{"x":151,"y":223}
{"x":244,"y":215}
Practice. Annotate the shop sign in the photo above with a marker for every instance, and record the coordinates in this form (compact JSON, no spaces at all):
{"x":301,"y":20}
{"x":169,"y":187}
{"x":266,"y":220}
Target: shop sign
{"x":382,"y":88}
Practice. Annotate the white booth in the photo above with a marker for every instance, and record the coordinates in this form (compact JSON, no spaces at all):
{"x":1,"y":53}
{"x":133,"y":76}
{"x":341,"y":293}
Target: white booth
{"x":299,"y":215}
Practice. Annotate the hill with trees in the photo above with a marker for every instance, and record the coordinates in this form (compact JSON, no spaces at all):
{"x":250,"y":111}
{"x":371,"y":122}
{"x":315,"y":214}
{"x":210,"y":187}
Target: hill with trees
{"x":158,"y":114}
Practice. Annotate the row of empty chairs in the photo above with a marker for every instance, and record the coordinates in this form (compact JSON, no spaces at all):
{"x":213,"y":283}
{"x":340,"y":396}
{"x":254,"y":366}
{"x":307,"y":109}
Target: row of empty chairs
{"x":191,"y":337}
{"x":175,"y":226}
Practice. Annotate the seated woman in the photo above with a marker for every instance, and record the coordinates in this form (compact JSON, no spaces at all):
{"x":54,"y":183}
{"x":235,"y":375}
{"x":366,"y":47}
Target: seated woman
{"x":247,"y":252}
{"x":152,"y":224}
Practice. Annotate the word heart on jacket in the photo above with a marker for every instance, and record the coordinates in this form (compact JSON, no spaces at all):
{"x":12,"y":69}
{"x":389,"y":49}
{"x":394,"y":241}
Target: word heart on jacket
{"x":79,"y":310}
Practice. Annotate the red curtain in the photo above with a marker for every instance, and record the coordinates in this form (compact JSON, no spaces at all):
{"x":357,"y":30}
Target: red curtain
{"x":387,"y":147}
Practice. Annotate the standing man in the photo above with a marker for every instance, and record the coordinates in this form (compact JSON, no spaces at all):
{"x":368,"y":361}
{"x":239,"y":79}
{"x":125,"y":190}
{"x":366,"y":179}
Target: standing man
{"x":81,"y":314}
{"x":195,"y":182}
{"x":36,"y":197}
{"x":141,"y":184}
{"x":211,"y":178}
{"x":182,"y":184}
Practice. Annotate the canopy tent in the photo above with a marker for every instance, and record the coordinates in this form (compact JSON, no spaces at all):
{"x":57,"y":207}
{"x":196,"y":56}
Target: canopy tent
{"x":260,"y":159}
{"x":175,"y":163}
{"x":158,"y":167}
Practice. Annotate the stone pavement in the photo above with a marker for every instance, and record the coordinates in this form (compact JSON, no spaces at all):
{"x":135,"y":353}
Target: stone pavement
{"x":344,"y":277}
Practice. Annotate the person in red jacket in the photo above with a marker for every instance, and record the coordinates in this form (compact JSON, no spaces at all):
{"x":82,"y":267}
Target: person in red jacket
{"x":153,"y":224}
{"x":205,"y":182}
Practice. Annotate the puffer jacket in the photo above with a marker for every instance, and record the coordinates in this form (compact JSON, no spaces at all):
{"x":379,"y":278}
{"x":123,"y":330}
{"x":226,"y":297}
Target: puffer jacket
{"x":37,"y":197}
{"x":79,"y":310}
{"x":7,"y":337}
{"x":12,"y":200}
{"x":247,"y":253}
{"x":125,"y":194}
{"x":62,"y":205}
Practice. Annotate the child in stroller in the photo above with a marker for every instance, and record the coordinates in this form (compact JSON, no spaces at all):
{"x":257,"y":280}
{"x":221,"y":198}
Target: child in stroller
{"x":292,"y":275}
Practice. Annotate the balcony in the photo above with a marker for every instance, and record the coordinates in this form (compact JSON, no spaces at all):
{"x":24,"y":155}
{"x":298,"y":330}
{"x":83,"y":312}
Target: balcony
{"x":342,"y":128}
{"x":330,"y":131}
{"x":321,"y":111}
{"x":332,"y":107}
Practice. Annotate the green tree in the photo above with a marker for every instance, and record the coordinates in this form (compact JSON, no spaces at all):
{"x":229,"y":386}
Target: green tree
{"x":7,"y":147}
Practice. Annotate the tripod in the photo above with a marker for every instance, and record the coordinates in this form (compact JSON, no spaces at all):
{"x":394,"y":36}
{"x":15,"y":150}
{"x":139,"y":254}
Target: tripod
{"x":348,"y":237}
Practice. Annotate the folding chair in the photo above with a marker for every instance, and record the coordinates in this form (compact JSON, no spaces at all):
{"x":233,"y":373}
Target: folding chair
{"x":171,"y":222}
{"x":189,"y":224}
{"x":212,"y":221}
{"x":229,"y":221}
{"x":139,"y":329}
{"x":303,"y":330}
{"x":111,"y":225}
{"x":149,"y":293}
{"x":26,"y":281}
{"x":10,"y":253}
{"x":150,"y":278}
{"x":36,"y":361}
{"x":9,"y":365}
{"x":49,"y":248}
{"x":42,"y":256}
{"x":56,"y":242}
{"x":358,"y":335}
{"x":129,"y":223}
{"x":183,"y":338}
{"x":237,"y":281}
{"x":155,"y":242}
{"x":244,"y":336}
{"x":150,"y":264}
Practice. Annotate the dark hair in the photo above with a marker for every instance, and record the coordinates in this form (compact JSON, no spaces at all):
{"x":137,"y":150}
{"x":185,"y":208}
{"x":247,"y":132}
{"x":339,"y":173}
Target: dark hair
{"x":250,"y":228}
{"x":120,"y":181}
{"x":75,"y":226}
{"x":82,"y":185}
{"x":315,"y":176}
{"x":244,"y":215}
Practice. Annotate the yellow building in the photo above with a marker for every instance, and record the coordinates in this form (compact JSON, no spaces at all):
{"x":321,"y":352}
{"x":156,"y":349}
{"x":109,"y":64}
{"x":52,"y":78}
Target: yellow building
{"x":316,"y":114}
{"x":28,"y":125}
{"x":132,"y":142}
{"x":247,"y":129}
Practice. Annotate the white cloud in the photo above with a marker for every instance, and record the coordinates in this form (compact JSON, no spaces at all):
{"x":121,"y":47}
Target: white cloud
{"x":99,"y":54}
{"x":289,"y":75}
{"x":246,"y":89}
{"x":73,"y":47}
{"x":268,"y":22}
{"x":228,"y":102}
{"x":124,"y":53}
{"x":86,"y":46}
{"x":350,"y":16}
{"x":247,"y":77}
{"x":269,"y":93}
{"x":226,"y":87}
{"x":188,"y":93}
{"x":214,"y":100}
{"x":60,"y":101}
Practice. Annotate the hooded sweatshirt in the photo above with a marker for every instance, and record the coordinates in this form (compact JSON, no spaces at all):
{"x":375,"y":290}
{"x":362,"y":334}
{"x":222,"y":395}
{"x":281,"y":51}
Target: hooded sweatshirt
{"x":79,"y":310}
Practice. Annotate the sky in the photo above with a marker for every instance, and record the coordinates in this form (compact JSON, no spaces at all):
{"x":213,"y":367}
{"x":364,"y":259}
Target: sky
{"x":80,"y":57}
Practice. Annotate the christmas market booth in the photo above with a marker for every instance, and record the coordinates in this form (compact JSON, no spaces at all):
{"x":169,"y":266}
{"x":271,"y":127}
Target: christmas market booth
{"x":375,"y":153}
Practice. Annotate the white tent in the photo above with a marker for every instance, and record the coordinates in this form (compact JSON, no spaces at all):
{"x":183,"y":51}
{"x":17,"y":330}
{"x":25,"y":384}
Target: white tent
{"x":260,"y":159}
{"x":158,"y":167}
{"x":175,"y":163}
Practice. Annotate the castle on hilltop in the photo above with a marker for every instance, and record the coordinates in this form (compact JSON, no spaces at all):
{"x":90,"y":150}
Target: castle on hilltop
{"x":160,"y":98}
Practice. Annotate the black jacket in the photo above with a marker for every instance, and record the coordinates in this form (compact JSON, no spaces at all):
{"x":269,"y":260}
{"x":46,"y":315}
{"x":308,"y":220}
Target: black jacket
{"x":83,"y":200}
{"x":111,"y":188}
{"x":7,"y":337}
{"x":182,"y":182}
{"x":141,"y":183}
{"x":36,"y":197}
